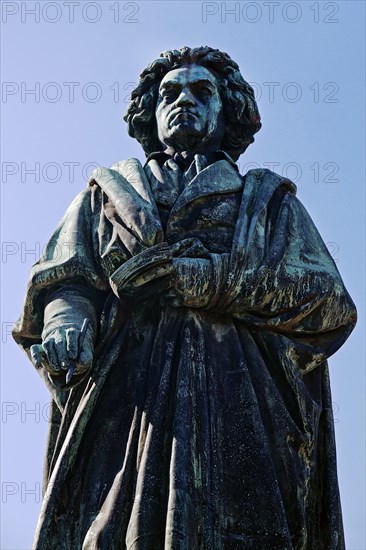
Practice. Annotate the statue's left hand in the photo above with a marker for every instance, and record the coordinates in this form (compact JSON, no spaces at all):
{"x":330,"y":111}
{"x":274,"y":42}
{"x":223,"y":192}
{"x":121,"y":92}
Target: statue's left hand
{"x":193,"y":283}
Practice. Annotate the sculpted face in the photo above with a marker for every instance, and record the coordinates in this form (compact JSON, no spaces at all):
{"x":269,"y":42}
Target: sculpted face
{"x":189,"y":112}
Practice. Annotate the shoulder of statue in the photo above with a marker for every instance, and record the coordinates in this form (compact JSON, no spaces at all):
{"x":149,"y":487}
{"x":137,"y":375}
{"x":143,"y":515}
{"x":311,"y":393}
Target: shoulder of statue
{"x":126,"y":168}
{"x":126,"y":177}
{"x":264,"y":178}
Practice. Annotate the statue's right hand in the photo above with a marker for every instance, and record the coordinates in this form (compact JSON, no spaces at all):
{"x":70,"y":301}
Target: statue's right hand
{"x":60,"y":348}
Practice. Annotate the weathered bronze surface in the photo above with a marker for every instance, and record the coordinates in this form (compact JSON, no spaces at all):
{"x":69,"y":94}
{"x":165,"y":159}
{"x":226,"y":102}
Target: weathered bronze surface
{"x":199,"y":413}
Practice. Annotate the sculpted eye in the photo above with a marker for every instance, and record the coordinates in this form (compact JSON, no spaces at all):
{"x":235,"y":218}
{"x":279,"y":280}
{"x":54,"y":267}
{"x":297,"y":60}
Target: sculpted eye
{"x":168,"y":95}
{"x":203,"y":93}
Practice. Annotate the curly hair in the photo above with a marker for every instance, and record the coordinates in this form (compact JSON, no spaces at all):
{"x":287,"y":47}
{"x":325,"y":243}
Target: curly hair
{"x":242,"y":119}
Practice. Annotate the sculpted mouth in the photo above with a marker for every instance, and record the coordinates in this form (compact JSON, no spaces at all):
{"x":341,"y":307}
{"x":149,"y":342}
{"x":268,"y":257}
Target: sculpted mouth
{"x":183,"y":114}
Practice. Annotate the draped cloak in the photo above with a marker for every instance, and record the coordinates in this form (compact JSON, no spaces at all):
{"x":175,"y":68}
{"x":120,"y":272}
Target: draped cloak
{"x":196,"y":428}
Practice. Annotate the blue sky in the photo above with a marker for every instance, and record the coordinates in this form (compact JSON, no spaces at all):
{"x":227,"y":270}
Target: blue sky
{"x":67,"y":70}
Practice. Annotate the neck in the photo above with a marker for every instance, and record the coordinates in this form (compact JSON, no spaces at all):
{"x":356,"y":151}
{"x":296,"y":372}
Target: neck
{"x":172,"y":150}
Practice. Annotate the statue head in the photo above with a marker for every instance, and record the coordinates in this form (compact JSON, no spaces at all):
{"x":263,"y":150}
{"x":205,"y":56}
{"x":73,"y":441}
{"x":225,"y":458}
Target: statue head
{"x":193,"y":99}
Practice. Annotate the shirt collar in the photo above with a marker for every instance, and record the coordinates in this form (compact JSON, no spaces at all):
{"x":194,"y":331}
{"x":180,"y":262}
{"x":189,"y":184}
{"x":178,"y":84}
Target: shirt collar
{"x":161,"y":157}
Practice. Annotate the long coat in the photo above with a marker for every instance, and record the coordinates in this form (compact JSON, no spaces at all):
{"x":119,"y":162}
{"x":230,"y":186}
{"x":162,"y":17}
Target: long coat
{"x":196,"y":428}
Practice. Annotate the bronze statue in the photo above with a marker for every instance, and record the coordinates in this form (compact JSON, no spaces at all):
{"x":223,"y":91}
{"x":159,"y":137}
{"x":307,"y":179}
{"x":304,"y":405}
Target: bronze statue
{"x":195,"y":410}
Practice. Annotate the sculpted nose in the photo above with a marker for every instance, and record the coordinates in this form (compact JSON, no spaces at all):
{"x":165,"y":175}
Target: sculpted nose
{"x":185,"y":98}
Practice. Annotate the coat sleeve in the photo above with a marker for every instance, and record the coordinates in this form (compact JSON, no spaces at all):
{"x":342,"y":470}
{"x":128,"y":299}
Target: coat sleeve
{"x":284,"y":281}
{"x":70,"y":261}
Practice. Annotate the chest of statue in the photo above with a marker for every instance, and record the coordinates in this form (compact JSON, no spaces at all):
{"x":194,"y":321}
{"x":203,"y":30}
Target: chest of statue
{"x":201,"y":203}
{"x":137,"y":207}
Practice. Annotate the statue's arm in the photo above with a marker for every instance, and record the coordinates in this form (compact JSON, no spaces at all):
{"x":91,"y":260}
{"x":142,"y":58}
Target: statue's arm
{"x":66,"y":286}
{"x":288,"y":284}
{"x":289,"y":279}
